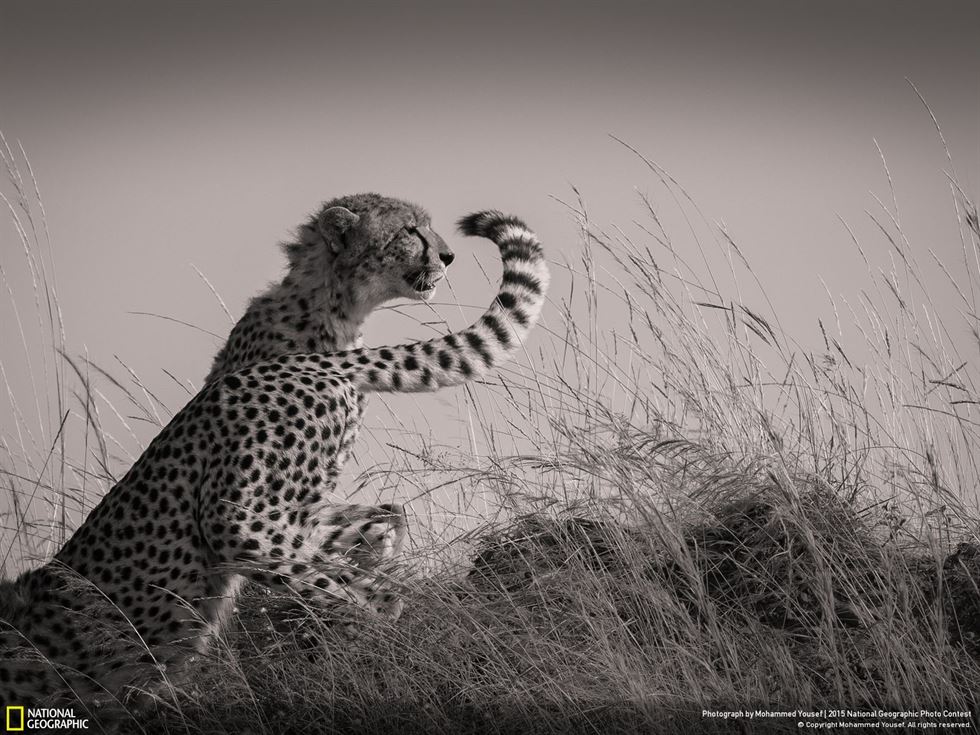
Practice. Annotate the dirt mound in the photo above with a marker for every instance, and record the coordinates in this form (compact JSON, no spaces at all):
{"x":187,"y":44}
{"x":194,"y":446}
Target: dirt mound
{"x":539,"y":546}
{"x":961,"y":572}
{"x":796,"y":566}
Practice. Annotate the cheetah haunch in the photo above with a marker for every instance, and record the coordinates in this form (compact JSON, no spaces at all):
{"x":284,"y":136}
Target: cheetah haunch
{"x":237,"y":486}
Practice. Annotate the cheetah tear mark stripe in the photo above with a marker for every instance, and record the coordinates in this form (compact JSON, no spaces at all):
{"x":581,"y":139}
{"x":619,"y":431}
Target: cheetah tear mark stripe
{"x":476,"y":350}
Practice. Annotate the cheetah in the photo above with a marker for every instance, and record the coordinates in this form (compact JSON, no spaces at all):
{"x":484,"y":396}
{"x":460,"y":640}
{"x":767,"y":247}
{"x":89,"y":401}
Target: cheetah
{"x":236,"y":487}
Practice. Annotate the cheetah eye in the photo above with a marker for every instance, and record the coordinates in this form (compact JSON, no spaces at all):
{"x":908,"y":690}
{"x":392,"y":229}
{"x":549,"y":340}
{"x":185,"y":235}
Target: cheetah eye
{"x":403,"y":232}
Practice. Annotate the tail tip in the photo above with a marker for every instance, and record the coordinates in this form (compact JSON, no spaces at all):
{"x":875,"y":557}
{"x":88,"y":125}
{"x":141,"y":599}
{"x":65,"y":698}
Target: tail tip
{"x":477,"y":224}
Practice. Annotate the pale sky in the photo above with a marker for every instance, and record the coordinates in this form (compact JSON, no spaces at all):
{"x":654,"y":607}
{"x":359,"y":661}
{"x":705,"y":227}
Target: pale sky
{"x":172,"y":135}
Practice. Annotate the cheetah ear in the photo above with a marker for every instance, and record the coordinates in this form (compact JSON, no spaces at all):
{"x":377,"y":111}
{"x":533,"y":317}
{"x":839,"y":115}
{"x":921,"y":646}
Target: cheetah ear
{"x":334,"y":222}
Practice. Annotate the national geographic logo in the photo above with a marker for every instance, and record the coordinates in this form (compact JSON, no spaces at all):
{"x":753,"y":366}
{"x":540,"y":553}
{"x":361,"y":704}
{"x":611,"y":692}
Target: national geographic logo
{"x":28,"y":719}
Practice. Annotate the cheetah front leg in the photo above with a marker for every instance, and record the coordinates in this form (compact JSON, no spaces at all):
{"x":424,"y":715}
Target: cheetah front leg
{"x":350,"y":556}
{"x":337,"y":555}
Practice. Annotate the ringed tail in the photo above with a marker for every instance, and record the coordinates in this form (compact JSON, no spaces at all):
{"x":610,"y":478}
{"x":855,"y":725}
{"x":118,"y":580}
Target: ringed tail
{"x":475,"y":351}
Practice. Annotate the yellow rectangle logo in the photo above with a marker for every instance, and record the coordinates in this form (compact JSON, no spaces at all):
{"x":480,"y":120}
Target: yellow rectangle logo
{"x":15,"y":715}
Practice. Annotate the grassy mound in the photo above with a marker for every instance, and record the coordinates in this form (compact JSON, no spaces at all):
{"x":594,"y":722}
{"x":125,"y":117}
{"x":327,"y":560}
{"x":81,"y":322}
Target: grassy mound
{"x":569,"y":624}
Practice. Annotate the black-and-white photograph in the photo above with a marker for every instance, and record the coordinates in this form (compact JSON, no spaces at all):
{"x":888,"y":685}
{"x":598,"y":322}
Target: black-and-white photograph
{"x":446,"y":367}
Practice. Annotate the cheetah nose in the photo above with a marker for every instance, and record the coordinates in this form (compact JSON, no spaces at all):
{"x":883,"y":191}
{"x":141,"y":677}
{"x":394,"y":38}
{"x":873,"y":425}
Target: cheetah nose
{"x":447,"y":257}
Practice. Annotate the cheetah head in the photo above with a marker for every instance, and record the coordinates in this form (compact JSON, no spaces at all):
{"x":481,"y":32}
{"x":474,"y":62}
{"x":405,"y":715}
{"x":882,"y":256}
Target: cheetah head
{"x":385,"y":246}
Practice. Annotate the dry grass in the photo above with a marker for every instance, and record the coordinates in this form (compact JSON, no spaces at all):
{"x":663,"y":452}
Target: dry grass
{"x":687,"y":510}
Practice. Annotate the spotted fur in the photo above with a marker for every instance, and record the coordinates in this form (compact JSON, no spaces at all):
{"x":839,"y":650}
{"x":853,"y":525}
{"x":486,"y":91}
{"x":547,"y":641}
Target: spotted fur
{"x":237,"y":486}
